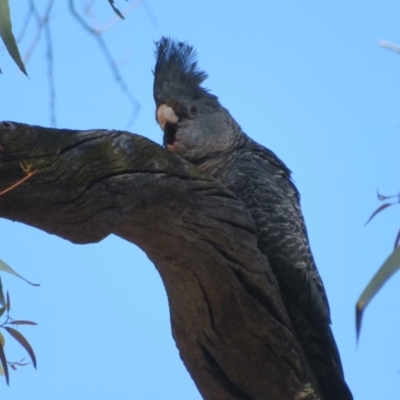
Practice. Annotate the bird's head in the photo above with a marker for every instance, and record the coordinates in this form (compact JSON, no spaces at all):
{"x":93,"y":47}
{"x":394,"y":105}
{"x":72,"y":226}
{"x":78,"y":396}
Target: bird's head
{"x":195,"y":125}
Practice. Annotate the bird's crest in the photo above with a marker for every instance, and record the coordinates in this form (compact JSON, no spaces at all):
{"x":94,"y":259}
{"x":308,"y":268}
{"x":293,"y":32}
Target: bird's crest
{"x":176,"y":72}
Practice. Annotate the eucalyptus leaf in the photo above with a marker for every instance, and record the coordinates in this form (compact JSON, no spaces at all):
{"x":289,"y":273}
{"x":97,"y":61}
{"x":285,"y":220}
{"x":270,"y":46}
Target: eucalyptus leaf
{"x":7,"y":35}
{"x":6,"y":268}
{"x":116,"y":9}
{"x":2,"y":299}
{"x":389,"y":267}
{"x":23,"y":342}
{"x":3,"y":359}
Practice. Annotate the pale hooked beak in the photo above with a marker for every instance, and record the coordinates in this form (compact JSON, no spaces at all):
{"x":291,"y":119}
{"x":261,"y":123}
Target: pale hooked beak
{"x":166,"y":114}
{"x":167,"y":119}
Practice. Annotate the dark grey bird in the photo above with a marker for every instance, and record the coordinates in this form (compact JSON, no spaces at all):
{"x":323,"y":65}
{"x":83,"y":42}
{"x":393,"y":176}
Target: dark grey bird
{"x":199,"y":129}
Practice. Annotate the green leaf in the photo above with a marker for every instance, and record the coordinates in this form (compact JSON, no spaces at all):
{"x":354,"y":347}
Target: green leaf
{"x":3,"y":359}
{"x":23,"y":342}
{"x":2,"y":310}
{"x":22,"y":322}
{"x":2,"y":299}
{"x":389,"y":267}
{"x":7,"y":35}
{"x":115,"y":9}
{"x":6,"y":268}
{"x":378,"y":210}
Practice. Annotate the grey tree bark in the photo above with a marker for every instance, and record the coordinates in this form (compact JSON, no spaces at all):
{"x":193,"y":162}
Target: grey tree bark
{"x":227,"y":317}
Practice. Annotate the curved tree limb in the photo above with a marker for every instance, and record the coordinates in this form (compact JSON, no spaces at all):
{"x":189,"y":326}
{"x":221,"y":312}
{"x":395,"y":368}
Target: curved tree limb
{"x":227,"y":317}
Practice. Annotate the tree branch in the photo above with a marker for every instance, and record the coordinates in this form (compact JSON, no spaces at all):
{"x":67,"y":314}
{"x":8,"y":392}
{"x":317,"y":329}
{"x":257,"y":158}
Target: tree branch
{"x":227,"y":317}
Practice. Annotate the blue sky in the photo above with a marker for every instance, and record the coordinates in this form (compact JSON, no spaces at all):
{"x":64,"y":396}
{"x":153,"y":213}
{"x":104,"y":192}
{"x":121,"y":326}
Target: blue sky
{"x":306,"y":79}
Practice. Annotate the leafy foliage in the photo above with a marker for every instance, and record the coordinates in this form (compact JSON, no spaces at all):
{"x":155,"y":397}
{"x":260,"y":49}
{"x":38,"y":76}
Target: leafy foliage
{"x":5,"y":302}
{"x":15,"y":335}
{"x":388,"y":268}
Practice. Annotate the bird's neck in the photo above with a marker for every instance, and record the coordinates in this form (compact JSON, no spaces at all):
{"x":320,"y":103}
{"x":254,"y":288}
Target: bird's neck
{"x":217,"y":164}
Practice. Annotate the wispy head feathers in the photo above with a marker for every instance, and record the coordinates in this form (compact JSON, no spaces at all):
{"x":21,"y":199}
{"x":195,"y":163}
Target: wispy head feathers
{"x":176,"y":72}
{"x":178,"y":57}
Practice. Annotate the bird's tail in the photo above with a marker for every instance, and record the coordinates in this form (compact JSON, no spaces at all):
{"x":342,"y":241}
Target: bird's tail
{"x":331,"y":379}
{"x":321,"y":352}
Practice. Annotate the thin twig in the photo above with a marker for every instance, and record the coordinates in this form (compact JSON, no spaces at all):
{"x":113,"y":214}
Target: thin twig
{"x":83,"y":23}
{"x":389,"y":46}
{"x":43,"y":24}
{"x":50,"y":74}
{"x":117,"y":19}
{"x":150,"y":13}
{"x":36,"y":38}
{"x":26,"y":23}
{"x":113,"y":66}
{"x":29,"y":174}
{"x":88,"y":6}
{"x":41,"y":21}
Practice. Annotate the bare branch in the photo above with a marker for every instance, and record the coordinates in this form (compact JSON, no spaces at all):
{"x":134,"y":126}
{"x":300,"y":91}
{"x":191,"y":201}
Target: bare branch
{"x":113,"y":66}
{"x":26,"y":22}
{"x":127,"y":10}
{"x":50,"y":74}
{"x":41,"y":22}
{"x":228,"y":319}
{"x":389,"y":46}
{"x":150,"y":13}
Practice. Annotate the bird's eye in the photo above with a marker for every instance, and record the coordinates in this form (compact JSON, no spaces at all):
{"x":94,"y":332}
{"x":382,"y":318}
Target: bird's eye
{"x":193,"y":110}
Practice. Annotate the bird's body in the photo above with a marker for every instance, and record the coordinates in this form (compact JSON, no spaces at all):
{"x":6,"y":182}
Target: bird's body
{"x":200,"y":130}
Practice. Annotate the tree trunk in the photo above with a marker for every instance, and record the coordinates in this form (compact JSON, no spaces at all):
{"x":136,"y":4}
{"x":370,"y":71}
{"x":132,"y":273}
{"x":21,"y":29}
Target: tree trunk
{"x":227,"y":317}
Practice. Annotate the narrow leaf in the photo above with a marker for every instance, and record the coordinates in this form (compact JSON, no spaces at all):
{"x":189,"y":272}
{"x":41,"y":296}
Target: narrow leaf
{"x":389,"y":267}
{"x":8,"y":305}
{"x":3,"y":359}
{"x":6,"y":268}
{"x":7,"y":35}
{"x":13,"y":367}
{"x":21,"y":364}
{"x":23,"y":342}
{"x":116,"y":9}
{"x":2,"y":299}
{"x":2,"y":310}
{"x":378,"y":210}
{"x":381,"y":197}
{"x":396,"y":242}
{"x":23,"y":322}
